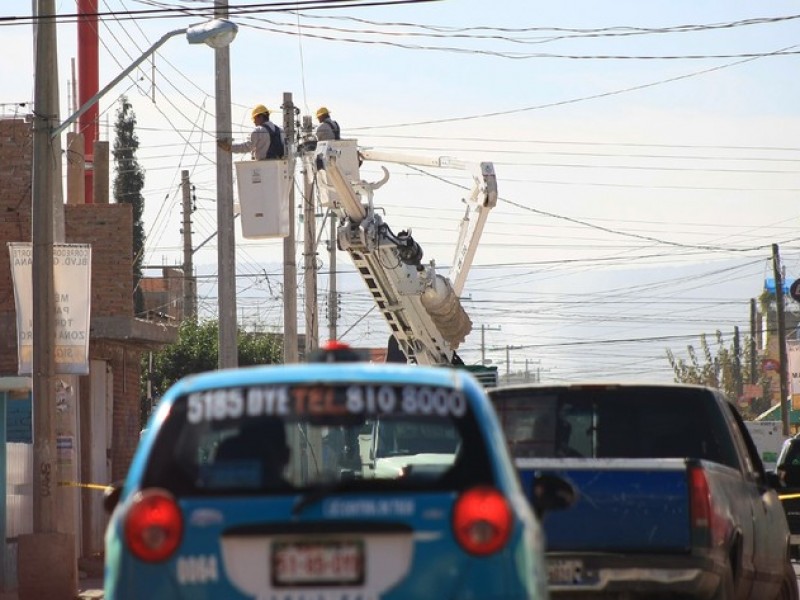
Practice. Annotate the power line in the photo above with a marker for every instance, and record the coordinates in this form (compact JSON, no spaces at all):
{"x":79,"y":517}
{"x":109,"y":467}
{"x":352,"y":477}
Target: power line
{"x":233,"y":10}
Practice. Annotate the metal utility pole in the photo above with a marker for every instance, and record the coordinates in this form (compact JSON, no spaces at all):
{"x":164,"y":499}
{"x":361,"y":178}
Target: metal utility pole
{"x":226,"y":249}
{"x":310,"y":248}
{"x":290,"y":347}
{"x":189,"y":294}
{"x":785,"y":403}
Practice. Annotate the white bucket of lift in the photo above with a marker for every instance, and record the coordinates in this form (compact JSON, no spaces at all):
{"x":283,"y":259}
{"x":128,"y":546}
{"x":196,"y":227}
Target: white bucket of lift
{"x":347,"y":160}
{"x":264,"y":187}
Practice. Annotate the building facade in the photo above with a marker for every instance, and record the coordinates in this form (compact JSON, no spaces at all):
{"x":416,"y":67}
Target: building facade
{"x":102,"y":409}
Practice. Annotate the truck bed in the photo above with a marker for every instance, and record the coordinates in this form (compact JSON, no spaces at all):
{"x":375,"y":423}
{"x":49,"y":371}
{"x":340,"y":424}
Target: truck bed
{"x":633,"y":505}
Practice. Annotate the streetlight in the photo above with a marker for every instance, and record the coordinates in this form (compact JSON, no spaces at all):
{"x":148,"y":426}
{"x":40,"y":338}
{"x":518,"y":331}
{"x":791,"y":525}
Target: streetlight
{"x":217,"y":33}
{"x":46,"y":549}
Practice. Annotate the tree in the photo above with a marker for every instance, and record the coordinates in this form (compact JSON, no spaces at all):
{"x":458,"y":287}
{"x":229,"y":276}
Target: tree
{"x":197,"y":350}
{"x":725,"y":371}
{"x":128,"y":184}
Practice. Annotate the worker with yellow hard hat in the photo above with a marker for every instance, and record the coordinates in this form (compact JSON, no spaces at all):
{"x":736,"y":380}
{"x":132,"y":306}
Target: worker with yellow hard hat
{"x":328,"y":129}
{"x":266,"y":140}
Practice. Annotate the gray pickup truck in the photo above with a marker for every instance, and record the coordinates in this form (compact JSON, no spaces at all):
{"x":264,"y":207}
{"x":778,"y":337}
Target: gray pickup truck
{"x":672,"y":497}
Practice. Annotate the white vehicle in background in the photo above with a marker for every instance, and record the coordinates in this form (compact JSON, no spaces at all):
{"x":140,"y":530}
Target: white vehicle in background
{"x":389,"y":448}
{"x":768,"y":438}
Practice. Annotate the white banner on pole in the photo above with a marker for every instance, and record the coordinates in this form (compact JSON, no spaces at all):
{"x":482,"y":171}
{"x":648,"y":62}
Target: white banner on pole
{"x":72,"y":277}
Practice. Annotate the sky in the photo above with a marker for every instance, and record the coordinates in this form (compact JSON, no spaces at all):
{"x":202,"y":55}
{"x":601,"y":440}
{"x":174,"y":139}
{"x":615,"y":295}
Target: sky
{"x":646,"y":156}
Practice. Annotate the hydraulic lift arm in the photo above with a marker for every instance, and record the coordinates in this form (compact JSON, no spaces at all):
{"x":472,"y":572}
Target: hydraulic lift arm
{"x":421,"y":307}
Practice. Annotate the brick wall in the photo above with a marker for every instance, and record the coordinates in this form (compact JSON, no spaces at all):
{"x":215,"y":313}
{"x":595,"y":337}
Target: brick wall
{"x":16,"y":149}
{"x":103,"y":226}
{"x":125,"y":365}
{"x":108,"y":228}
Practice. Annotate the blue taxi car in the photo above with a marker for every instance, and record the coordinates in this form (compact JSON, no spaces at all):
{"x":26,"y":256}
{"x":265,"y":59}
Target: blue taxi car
{"x":323,"y":481}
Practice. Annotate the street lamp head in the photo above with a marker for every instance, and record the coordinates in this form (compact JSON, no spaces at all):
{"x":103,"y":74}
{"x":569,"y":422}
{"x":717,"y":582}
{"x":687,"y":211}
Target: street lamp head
{"x":217,"y":33}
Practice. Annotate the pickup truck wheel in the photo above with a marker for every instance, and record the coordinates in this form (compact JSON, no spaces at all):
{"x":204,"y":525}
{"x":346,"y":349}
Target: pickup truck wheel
{"x":789,"y":584}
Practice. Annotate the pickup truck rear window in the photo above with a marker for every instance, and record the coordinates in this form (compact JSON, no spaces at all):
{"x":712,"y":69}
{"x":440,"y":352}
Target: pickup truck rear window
{"x":280,"y":438}
{"x":613,"y":422}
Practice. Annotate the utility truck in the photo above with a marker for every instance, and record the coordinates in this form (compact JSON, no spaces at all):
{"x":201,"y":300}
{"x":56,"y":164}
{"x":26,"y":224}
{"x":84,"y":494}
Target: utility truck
{"x":420,"y":305}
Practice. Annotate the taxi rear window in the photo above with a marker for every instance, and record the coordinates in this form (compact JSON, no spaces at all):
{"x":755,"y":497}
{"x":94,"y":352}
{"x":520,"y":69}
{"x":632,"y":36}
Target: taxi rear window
{"x":277,"y":438}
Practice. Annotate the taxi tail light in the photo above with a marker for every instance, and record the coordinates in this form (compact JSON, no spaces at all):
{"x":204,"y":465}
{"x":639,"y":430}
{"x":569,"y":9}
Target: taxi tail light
{"x":482,"y":521}
{"x":153,"y":525}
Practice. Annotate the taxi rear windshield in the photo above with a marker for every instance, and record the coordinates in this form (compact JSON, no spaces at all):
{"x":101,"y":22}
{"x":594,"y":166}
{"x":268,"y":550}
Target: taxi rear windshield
{"x":278,"y":438}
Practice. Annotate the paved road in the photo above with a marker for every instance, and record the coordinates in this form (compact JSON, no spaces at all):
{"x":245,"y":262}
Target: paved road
{"x":92,"y":588}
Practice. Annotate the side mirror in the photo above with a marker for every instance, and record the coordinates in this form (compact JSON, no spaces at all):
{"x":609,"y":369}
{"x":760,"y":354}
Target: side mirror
{"x":551,"y":492}
{"x":111,"y":496}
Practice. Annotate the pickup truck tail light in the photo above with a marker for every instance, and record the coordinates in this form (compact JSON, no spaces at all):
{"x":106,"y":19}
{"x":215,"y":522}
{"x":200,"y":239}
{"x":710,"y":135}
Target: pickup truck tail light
{"x":482,"y":521}
{"x":705,"y":521}
{"x":153,"y":525}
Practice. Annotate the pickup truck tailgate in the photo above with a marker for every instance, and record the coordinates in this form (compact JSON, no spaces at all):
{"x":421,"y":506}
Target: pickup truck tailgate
{"x":625,"y":505}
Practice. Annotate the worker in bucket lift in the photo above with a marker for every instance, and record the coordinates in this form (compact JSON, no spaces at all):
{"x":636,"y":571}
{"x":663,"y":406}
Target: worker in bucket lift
{"x":266,"y":140}
{"x":328,"y":129}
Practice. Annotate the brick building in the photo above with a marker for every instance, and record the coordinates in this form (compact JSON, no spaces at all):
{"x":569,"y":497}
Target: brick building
{"x":107,"y":401}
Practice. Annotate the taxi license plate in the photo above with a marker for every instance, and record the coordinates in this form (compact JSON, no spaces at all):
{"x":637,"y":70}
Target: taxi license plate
{"x":313,"y":563}
{"x":562,"y":571}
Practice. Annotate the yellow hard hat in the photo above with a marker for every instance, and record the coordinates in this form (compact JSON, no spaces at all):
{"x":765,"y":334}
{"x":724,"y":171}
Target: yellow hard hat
{"x":259,"y":109}
{"x":322,"y":111}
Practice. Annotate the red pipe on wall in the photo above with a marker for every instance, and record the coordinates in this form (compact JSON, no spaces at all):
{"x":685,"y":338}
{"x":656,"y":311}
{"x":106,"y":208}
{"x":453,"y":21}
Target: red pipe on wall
{"x":88,"y":84}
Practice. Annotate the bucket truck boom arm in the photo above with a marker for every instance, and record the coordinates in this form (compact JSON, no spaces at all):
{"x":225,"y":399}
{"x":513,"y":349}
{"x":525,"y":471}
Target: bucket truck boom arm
{"x":421,"y":307}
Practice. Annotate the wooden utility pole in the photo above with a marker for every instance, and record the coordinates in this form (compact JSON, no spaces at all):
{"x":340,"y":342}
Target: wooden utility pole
{"x":290,"y":348}
{"x":785,"y":403}
{"x":189,"y":294}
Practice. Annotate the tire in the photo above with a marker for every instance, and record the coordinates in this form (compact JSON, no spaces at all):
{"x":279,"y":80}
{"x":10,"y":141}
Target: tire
{"x":789,"y":584}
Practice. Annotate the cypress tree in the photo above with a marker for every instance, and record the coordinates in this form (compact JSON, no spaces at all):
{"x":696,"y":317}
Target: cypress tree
{"x":128,"y":184}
